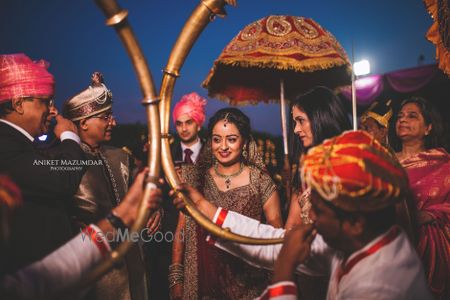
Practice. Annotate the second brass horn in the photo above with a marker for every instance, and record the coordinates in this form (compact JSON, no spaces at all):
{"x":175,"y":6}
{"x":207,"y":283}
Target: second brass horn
{"x":199,"y":19}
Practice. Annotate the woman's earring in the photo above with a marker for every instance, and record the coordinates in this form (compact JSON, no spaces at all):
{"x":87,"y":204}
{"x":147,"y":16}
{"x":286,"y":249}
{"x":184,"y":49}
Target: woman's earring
{"x":244,"y":152}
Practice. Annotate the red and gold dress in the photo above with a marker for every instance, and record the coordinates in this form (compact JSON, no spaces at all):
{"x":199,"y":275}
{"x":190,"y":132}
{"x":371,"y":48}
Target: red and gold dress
{"x":210,"y":273}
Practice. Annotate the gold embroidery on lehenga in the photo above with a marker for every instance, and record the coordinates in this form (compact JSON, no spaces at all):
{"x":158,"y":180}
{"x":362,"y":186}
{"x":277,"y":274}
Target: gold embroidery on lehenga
{"x":249,"y":199}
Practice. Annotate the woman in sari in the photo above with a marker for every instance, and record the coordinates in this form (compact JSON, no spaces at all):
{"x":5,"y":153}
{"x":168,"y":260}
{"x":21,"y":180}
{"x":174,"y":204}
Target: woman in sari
{"x":317,"y":115}
{"x":418,"y":142}
{"x":231,"y":174}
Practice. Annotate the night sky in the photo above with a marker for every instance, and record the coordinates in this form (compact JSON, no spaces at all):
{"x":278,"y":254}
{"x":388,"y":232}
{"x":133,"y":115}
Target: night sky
{"x":71,"y":35}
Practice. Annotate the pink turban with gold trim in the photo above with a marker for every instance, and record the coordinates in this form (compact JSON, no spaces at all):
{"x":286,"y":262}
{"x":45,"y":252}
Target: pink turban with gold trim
{"x":22,"y":77}
{"x":193,"y":105}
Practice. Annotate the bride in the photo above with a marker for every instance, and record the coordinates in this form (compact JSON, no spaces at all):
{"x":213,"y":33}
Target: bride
{"x":231,"y":174}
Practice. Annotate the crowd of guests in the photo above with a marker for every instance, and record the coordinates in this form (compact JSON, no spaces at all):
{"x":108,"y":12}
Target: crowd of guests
{"x":368,"y":216}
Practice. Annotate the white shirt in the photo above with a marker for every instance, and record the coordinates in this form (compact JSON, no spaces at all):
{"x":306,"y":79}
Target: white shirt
{"x":62,"y":268}
{"x":195,"y":150}
{"x":64,"y":135}
{"x":394,"y":271}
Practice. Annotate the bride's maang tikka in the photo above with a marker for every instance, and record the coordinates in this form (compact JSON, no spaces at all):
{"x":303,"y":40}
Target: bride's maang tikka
{"x":225,"y":119}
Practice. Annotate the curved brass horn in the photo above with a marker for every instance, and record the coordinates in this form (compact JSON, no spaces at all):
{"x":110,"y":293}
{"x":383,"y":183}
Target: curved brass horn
{"x":117,"y":18}
{"x":194,"y":26}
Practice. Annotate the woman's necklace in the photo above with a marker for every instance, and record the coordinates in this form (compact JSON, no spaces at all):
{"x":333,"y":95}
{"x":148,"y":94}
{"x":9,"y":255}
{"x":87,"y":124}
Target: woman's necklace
{"x":228,"y":177}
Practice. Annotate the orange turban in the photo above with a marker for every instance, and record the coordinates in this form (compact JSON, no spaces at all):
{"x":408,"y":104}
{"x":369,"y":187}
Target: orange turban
{"x":354,"y":172}
{"x":21,"y":77}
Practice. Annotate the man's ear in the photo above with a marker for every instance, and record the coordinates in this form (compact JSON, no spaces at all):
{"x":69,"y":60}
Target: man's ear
{"x":83,"y":124}
{"x":17,"y":105}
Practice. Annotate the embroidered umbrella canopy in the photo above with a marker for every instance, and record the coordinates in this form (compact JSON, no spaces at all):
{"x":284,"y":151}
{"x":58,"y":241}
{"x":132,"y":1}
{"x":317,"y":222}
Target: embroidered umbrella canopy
{"x":295,"y":49}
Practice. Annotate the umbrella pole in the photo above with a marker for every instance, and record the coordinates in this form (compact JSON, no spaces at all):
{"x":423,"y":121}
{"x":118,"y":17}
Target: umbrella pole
{"x":286,"y":164}
{"x":283,"y":118}
{"x":355,"y":120}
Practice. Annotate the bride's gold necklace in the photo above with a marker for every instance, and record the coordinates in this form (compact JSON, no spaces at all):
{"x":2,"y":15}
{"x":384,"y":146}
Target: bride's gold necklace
{"x":228,"y":177}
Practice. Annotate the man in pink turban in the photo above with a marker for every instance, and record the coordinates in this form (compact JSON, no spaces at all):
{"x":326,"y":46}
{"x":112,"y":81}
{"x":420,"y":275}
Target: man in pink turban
{"x":188,"y":116}
{"x":26,"y":109}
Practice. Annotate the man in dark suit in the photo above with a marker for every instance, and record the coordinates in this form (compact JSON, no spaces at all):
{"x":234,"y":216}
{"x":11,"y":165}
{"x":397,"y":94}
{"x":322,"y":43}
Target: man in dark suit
{"x":188,"y":116}
{"x":45,"y":178}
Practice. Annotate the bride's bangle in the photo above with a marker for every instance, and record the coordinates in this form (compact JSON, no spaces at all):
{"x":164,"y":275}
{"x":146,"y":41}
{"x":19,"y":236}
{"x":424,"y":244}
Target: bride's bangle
{"x":176,"y":274}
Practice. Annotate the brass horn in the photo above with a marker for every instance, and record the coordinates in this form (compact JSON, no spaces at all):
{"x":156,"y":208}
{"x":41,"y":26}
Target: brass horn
{"x":192,"y":29}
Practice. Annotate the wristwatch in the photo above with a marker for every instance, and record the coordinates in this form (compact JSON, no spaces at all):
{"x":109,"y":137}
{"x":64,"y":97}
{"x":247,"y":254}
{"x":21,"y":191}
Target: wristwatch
{"x":116,"y":221}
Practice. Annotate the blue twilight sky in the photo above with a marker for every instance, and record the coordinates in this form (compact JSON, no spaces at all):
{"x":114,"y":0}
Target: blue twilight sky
{"x":72,"y":36}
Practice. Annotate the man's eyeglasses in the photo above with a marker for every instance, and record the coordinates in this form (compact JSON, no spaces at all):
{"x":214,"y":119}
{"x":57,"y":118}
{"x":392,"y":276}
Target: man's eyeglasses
{"x":106,"y":118}
{"x":49,"y":102}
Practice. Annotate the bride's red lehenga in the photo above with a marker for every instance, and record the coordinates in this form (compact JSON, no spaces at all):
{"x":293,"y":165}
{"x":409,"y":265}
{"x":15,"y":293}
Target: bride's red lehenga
{"x":214,"y":274}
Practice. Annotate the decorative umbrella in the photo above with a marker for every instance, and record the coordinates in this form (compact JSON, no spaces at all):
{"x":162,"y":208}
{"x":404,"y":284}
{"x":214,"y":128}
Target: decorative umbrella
{"x":277,"y":57}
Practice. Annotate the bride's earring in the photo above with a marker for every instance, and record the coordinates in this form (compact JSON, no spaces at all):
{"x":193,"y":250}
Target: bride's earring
{"x":244,"y":152}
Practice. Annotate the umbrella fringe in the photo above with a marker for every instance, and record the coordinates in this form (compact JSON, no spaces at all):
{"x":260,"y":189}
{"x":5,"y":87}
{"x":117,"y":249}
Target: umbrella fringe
{"x":227,"y":99}
{"x":284,"y":65}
